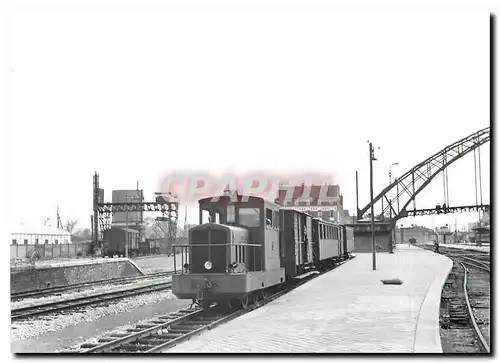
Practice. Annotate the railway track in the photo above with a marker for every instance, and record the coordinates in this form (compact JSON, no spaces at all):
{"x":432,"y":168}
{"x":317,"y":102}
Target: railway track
{"x":171,"y":329}
{"x":57,"y":290}
{"x":55,"y":307}
{"x":465,"y":305}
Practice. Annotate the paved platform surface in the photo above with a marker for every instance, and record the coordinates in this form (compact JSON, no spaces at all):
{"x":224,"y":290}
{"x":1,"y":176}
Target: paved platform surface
{"x":463,"y":246}
{"x":347,"y":310}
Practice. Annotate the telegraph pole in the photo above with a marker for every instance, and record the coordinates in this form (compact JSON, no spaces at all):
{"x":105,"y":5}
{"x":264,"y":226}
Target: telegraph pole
{"x":372,"y":158}
{"x":357,"y":201}
{"x":390,"y":208}
{"x":126,"y":227}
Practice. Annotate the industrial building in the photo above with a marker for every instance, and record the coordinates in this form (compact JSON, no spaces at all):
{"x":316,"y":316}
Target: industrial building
{"x":38,"y":235}
{"x":133,"y":220}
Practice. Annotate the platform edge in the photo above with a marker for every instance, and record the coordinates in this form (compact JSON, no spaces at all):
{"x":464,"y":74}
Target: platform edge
{"x":427,"y":336}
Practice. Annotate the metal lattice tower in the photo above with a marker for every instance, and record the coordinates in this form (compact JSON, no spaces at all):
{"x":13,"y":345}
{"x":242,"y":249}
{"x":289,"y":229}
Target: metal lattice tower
{"x":168,"y":205}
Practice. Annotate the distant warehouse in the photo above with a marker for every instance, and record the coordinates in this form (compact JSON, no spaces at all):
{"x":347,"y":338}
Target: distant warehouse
{"x":38,"y":235}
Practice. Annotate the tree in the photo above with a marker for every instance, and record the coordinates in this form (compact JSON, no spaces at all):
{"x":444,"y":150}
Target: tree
{"x":70,"y":225}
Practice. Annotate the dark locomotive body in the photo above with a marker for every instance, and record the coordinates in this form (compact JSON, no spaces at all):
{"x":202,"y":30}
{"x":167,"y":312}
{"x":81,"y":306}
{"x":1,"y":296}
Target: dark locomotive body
{"x":236,"y":258}
{"x":248,"y":245}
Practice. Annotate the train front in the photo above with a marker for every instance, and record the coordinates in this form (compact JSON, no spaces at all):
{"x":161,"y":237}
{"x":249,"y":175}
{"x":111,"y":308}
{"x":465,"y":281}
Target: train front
{"x":214,"y":264}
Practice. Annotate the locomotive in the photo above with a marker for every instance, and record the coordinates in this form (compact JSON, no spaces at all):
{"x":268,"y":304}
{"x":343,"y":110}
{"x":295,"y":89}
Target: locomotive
{"x":249,"y":246}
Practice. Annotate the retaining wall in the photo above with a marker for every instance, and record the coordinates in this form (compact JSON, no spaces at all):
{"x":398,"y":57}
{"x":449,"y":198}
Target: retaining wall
{"x":363,"y":243}
{"x":39,"y":276}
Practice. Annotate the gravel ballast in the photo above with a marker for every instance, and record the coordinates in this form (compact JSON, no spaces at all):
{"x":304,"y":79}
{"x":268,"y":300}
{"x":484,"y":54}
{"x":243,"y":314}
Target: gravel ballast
{"x":39,"y":326}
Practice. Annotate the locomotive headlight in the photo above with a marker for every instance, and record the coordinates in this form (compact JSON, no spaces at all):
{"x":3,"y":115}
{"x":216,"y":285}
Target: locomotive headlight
{"x":208,"y":265}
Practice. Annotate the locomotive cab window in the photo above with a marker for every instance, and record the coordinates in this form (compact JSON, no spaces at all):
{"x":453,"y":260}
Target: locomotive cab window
{"x":231,"y":214}
{"x":204,"y":217}
{"x":269,"y":218}
{"x":249,"y":217}
{"x":276,"y":220}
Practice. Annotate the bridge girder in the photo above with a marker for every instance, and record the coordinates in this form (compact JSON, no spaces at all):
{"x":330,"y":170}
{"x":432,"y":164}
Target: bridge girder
{"x":417,"y":178}
{"x":430,"y":211}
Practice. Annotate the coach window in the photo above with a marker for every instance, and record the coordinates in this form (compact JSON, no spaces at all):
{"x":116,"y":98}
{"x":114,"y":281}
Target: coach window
{"x":14,"y":242}
{"x":249,"y":217}
{"x":269,"y":218}
{"x":231,"y":214}
{"x":25,"y":241}
{"x":276,"y":220}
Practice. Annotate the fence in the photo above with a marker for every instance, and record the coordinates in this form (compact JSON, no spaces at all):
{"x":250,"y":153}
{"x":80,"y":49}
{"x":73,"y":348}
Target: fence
{"x":50,"y":251}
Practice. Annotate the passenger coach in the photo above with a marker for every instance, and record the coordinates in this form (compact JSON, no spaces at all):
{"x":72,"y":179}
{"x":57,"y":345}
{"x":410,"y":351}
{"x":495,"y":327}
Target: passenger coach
{"x":246,"y":246}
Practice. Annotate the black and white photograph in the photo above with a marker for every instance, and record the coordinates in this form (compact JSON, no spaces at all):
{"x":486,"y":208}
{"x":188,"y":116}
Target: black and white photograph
{"x":249,"y":177}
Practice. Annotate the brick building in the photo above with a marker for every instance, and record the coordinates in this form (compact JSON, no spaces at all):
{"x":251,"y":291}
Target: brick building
{"x":322,"y":201}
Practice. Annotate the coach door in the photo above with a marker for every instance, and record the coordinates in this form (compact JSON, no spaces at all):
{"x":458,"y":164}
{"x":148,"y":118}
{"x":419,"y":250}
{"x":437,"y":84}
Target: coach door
{"x":304,"y":238}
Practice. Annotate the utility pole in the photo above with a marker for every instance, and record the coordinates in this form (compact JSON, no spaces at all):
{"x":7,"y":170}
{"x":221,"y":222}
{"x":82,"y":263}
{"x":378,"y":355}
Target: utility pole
{"x":390,"y":205}
{"x":126,"y":227}
{"x":372,"y":158}
{"x":357,"y":201}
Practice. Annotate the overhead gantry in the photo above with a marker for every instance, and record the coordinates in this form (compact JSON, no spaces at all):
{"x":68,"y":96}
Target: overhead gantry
{"x":411,"y":183}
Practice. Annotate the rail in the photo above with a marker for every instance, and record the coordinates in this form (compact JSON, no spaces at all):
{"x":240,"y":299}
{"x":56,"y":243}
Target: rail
{"x":471,"y":313}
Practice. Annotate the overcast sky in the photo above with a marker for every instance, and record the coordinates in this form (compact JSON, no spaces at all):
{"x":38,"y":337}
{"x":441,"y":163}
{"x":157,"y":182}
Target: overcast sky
{"x":134,"y":95}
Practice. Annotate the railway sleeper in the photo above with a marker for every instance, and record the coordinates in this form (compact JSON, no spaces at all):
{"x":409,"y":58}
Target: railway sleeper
{"x":88,"y":345}
{"x":155,"y":339}
{"x":134,"y":330}
{"x":169,"y":336}
{"x":187,"y":326}
{"x":106,"y":339}
{"x":119,"y":335}
{"x":181,"y":330}
{"x":145,"y":326}
{"x":135,"y":347}
{"x":205,"y":318}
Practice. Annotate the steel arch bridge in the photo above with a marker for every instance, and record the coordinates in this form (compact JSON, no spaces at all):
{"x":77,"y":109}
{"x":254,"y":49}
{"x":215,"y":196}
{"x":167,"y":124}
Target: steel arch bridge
{"x":411,"y":183}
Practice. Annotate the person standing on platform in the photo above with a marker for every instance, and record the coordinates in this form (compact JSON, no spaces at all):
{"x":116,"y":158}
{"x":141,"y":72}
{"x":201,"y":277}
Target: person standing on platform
{"x":436,"y":246}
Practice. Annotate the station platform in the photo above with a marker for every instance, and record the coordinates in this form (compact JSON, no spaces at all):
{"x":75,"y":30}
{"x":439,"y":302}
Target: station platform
{"x":347,"y":310}
{"x":462,"y":246}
